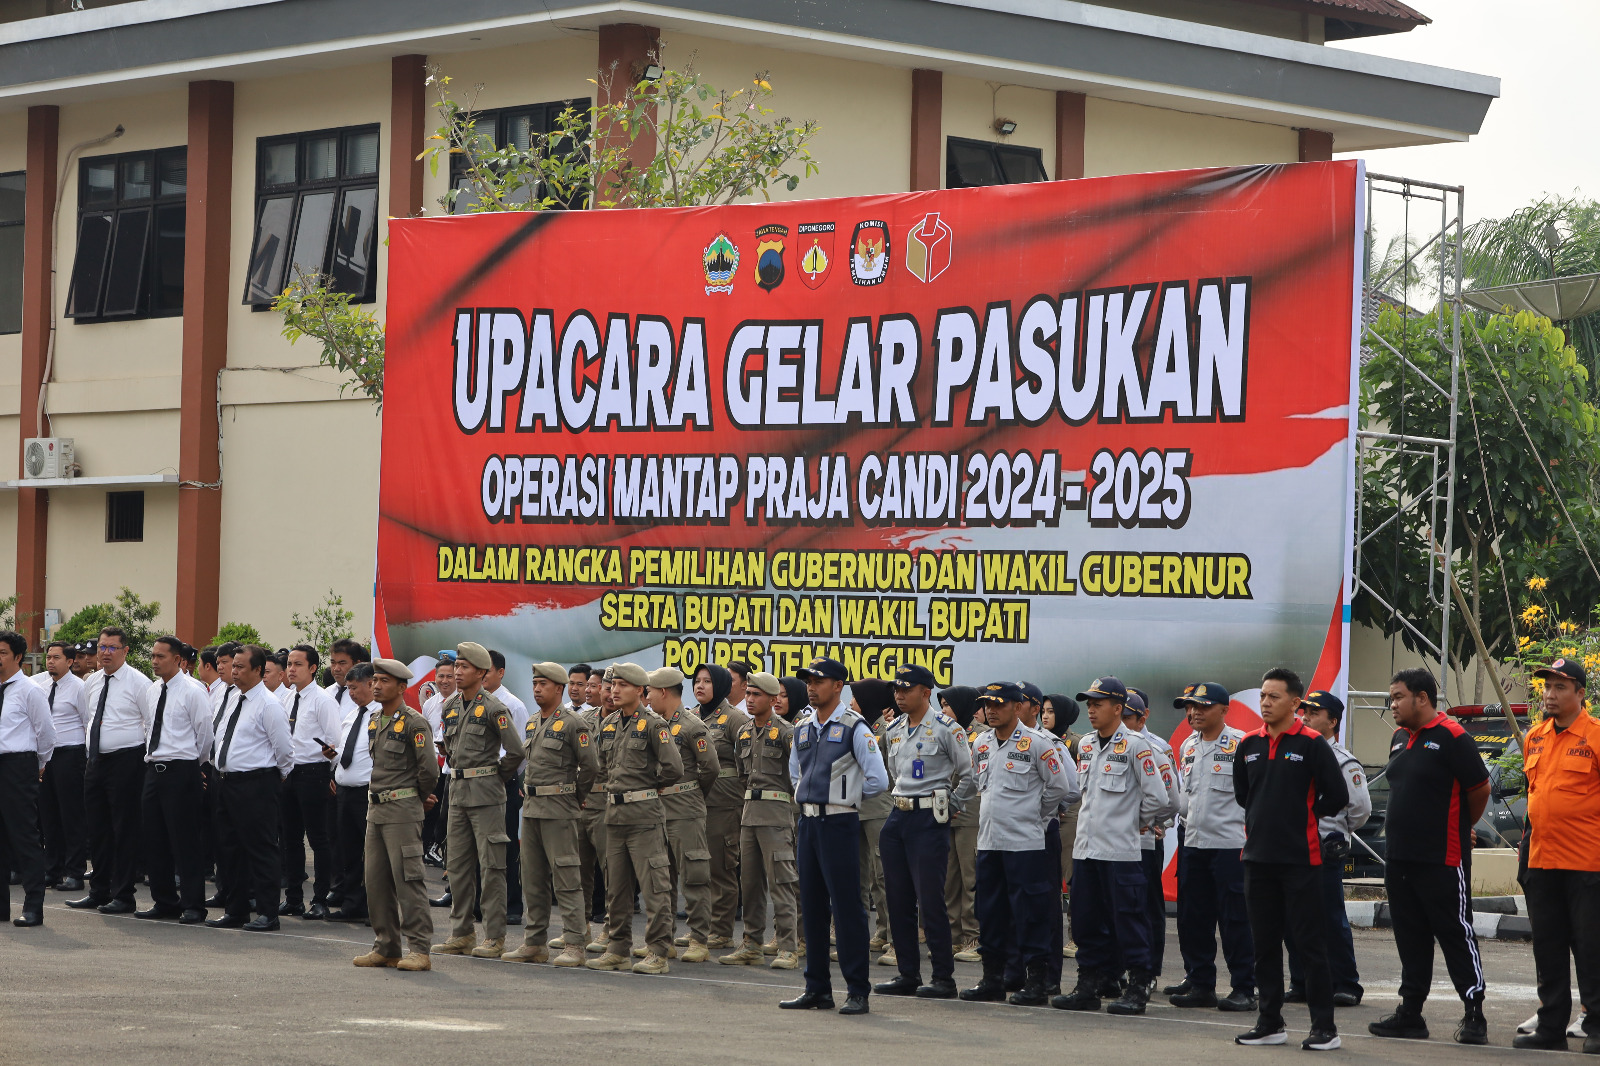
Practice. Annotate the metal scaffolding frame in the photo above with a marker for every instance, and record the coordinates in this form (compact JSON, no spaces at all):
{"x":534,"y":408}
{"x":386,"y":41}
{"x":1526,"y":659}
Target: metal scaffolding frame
{"x":1431,"y":240}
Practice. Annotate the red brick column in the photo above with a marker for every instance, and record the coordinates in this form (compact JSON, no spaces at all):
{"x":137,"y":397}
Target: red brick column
{"x":33,"y":505}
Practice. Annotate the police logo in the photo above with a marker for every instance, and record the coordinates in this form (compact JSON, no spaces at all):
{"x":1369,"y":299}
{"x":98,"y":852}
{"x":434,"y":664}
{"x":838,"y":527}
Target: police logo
{"x":1229,"y":745}
{"x":677,"y":727}
{"x":722,"y":719}
{"x":501,"y":721}
{"x":928,"y":247}
{"x":420,"y":738}
{"x":816,"y":252}
{"x":769,"y":255}
{"x":583,"y":739}
{"x":478,"y":713}
{"x":1022,"y":745}
{"x":1120,"y":745}
{"x":869,"y":253}
{"x":641,"y":725}
{"x":557,"y":725}
{"x":772,"y":734}
{"x":399,"y":727}
{"x":1355,"y":778}
{"x":719,"y":262}
{"x":1149,"y":766}
{"x":1050,"y":761}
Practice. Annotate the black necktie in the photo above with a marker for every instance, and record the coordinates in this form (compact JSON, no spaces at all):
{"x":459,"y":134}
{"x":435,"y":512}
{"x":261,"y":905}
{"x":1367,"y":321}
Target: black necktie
{"x":155,"y":730}
{"x":222,"y":709}
{"x":227,"y":738}
{"x":53,"y":685}
{"x":350,"y":741}
{"x":294,"y":713}
{"x":339,"y":696}
{"x":99,"y":716}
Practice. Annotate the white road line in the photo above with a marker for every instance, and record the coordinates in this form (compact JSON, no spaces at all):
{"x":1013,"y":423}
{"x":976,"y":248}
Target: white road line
{"x":443,"y":1025}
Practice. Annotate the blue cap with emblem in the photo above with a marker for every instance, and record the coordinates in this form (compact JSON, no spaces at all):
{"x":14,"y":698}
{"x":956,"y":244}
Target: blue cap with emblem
{"x":909,"y":676}
{"x":1324,"y":701}
{"x":823,"y":669}
{"x":1134,"y":704}
{"x":1034,"y":693}
{"x":1002,"y":692}
{"x":1205,"y":694}
{"x":1105,"y":688}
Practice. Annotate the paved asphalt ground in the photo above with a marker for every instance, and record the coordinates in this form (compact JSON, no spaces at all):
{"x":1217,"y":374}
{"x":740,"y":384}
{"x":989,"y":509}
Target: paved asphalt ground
{"x":92,"y":990}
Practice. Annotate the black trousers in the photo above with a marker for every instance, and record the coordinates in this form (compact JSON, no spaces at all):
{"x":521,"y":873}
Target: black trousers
{"x":433,"y":821}
{"x":66,"y":837}
{"x":19,"y":824}
{"x":1430,"y":901}
{"x":1278,"y":896}
{"x":829,"y":862}
{"x":305,"y":802}
{"x":514,"y":853}
{"x":173,"y":806}
{"x":247,"y":806}
{"x":349,"y":843}
{"x":1211,"y":900}
{"x":1155,"y":904}
{"x":915,"y":852}
{"x":213,"y":830}
{"x":1110,"y":921}
{"x":1341,"y":947}
{"x":112,"y":787}
{"x":1564,"y":910}
{"x":1012,"y":895}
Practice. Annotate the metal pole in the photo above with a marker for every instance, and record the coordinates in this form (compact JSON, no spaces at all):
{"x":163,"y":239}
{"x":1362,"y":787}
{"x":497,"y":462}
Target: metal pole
{"x":1452,"y":300}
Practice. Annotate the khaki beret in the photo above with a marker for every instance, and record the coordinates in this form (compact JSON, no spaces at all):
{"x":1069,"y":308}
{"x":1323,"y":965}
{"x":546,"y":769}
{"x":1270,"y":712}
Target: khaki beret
{"x":632,"y":673}
{"x":551,"y":672}
{"x":475,"y":654}
{"x":766,"y":683}
{"x":394,"y":668}
{"x":666,"y":677}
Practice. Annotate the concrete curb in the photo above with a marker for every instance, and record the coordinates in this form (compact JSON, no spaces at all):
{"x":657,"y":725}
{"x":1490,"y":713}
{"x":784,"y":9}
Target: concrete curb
{"x":1489,"y":925}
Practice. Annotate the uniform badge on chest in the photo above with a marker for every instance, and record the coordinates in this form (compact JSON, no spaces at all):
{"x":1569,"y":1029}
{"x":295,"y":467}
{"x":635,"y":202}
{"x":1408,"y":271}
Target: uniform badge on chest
{"x":835,"y":733}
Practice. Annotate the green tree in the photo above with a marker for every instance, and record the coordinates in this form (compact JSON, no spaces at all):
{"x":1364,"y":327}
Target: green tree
{"x":243,"y":632}
{"x":85,"y":624}
{"x":1507,"y":521}
{"x":329,"y":622}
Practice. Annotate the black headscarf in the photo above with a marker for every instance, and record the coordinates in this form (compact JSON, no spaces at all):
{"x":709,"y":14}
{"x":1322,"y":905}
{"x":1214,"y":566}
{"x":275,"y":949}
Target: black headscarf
{"x":874,"y":696}
{"x":799,"y":699}
{"x":963,"y":703}
{"x":1066,"y":709}
{"x":721,"y":685}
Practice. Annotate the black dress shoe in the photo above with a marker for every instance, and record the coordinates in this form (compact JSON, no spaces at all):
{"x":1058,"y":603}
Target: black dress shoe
{"x":343,"y":915}
{"x":315,"y":913}
{"x":69,"y":884}
{"x":28,"y":918}
{"x":938,"y":988}
{"x":1294,"y":995}
{"x":290,"y":910}
{"x":1346,"y":999}
{"x":514,"y":918}
{"x":1182,"y":988}
{"x":116,"y":906}
{"x":901,"y":985}
{"x":443,"y":901}
{"x":191,"y":917}
{"x":1538,"y":1041}
{"x":157,"y":911}
{"x":263,"y":923}
{"x":227,"y":921}
{"x":86,"y":903}
{"x":809,"y":1001}
{"x":1197,"y":996}
{"x":1239,"y":1001}
{"x":216,"y":900}
{"x":854,"y":1005}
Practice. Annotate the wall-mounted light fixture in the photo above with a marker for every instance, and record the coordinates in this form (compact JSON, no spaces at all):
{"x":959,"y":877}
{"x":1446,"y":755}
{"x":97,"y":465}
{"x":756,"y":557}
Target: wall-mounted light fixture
{"x":1005,"y":127}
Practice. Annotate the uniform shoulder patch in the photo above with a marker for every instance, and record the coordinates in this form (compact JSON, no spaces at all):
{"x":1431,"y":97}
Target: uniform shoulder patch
{"x":372,"y":724}
{"x":583,"y":739}
{"x":700,"y":744}
{"x":662,"y":736}
{"x":502,"y":721}
{"x":420,"y":738}
{"x":1146,"y":753}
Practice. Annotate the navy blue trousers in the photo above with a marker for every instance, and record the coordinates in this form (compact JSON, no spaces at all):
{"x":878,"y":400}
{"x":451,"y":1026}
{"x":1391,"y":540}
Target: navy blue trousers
{"x":1012,"y":900}
{"x":1341,"y":948}
{"x":915,"y":852}
{"x":1211,"y":899}
{"x":1057,"y":921}
{"x":830,"y":890}
{"x":1109,"y":921}
{"x":1155,"y":905}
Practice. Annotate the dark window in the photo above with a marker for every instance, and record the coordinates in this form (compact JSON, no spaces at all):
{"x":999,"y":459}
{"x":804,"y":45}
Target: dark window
{"x":129,"y":258}
{"x":316,"y":212}
{"x":124,"y":516}
{"x":513,"y":127}
{"x":12,"y":187}
{"x":970,"y":164}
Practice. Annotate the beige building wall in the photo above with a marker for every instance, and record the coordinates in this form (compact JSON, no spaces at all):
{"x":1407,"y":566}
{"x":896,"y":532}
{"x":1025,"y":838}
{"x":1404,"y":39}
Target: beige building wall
{"x":1124,"y":138}
{"x":971,"y":107}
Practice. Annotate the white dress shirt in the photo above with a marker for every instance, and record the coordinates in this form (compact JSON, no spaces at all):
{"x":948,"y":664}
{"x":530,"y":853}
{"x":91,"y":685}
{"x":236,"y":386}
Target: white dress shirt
{"x":359,"y":772}
{"x":341,"y":699}
{"x":314,"y":724}
{"x":122,"y":727}
{"x":221,"y":692}
{"x":260,"y":737}
{"x":25,"y":719}
{"x":68,"y":713}
{"x":433,"y":711}
{"x":185,"y":720}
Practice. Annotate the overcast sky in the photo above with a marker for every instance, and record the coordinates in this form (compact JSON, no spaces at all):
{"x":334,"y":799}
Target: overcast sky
{"x":1539,"y":137}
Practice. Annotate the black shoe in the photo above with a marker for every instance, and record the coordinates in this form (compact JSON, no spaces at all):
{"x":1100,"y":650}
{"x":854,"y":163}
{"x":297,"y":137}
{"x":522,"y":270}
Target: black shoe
{"x":344,"y":915}
{"x":1182,"y":988}
{"x":1295,"y":994}
{"x":227,"y":921}
{"x":1238,"y":1002}
{"x":315,"y":913}
{"x":1013,"y":984}
{"x":157,"y":911}
{"x":1321,"y":1040}
{"x":116,"y":906}
{"x":809,"y":1001}
{"x":1404,"y":1025}
{"x":1474,"y":1028}
{"x":1264,"y":1032}
{"x":86,"y":903}
{"x":1110,"y":987}
{"x":987,"y":990}
{"x":216,"y":900}
{"x":27,"y":919}
{"x":69,"y":884}
{"x":1540,"y":1041}
{"x":443,"y":901}
{"x":938,"y":988}
{"x":1085,"y":996}
{"x":1195,"y":997}
{"x":514,"y":918}
{"x":901,"y":985}
{"x":291,"y":910}
{"x":1134,"y":997}
{"x":854,"y":1005}
{"x":1591,"y":1045}
{"x":431,"y":857}
{"x":1033,"y":992}
{"x":192,"y":916}
{"x":263,"y":923}
{"x":1346,"y":999}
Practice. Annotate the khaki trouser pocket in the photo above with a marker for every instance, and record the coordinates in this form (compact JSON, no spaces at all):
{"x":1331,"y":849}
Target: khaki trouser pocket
{"x":783,"y":868}
{"x":566,"y":873}
{"x":497,"y":850}
{"x":661,"y":873}
{"x":411,"y":862}
{"x":697,"y":867}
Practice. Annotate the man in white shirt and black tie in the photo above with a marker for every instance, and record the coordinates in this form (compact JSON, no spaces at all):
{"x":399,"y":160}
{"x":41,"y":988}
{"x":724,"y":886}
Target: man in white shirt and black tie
{"x":342,"y":655}
{"x":307,"y":796}
{"x":253,"y":756}
{"x":114,"y":775}
{"x":216,"y":673}
{"x":352,"y":774}
{"x":177,"y":737}
{"x":66,"y":837}
{"x":26,"y":740}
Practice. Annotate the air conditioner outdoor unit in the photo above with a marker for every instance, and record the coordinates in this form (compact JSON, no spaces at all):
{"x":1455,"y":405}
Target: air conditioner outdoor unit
{"x":47,"y":457}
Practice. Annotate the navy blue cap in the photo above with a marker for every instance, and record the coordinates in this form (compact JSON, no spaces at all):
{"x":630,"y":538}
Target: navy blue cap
{"x":1205,"y":694}
{"x":1105,"y":688}
{"x":1135,"y":703}
{"x":823,"y":669}
{"x":908,"y":676}
{"x":1324,"y":701}
{"x":1034,"y":692}
{"x":1002,"y":692}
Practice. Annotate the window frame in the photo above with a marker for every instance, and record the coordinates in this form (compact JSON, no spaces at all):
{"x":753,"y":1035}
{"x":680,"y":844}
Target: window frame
{"x":18,"y":224}
{"x":952,"y":178}
{"x":112,"y":516}
{"x":144,"y":300}
{"x":343,"y":187}
{"x":501,"y":117}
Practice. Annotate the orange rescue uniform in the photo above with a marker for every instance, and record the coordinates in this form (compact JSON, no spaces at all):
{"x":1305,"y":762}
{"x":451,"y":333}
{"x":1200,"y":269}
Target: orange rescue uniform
{"x":1563,"y":770}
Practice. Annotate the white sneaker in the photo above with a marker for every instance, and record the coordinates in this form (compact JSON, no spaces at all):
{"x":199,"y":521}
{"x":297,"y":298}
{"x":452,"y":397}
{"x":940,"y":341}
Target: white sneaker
{"x":1530,"y":1025}
{"x":1576,"y":1028}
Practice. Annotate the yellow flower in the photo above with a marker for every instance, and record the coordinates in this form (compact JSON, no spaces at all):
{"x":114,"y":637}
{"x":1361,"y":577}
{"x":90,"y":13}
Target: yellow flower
{"x":1569,"y":651}
{"x":1523,"y":642}
{"x":1532,"y":614}
{"x":1536,"y":685}
{"x":1568,"y":627}
{"x":1537,"y":583}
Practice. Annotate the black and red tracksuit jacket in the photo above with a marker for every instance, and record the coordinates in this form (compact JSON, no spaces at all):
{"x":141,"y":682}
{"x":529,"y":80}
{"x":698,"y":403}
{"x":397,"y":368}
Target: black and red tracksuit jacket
{"x":1285,"y":784}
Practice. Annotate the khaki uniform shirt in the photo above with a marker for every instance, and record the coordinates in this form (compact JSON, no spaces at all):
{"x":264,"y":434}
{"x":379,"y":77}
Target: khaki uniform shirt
{"x":763,"y":762}
{"x":474,"y":733}
{"x":723,"y":730}
{"x":637,"y":753}
{"x":561,"y":753}
{"x":403,"y":756}
{"x":699,"y":764}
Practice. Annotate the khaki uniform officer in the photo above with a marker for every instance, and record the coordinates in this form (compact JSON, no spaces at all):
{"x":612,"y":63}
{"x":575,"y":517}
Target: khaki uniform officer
{"x":592,"y":822}
{"x":684,"y":805}
{"x":724,"y":810}
{"x":476,"y":727}
{"x":639,"y":759}
{"x":404,"y":770}
{"x":766,"y":838}
{"x":563,"y":762}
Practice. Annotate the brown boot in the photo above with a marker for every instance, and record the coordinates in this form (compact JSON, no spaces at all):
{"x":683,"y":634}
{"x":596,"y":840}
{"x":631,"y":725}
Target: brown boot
{"x":457,"y":945}
{"x":571,"y":955}
{"x":373,"y":958}
{"x":415,"y":960}
{"x":528,"y":953}
{"x":490,"y":949}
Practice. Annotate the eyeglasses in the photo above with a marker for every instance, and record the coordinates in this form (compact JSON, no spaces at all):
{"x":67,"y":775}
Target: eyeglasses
{"x":110,"y":647}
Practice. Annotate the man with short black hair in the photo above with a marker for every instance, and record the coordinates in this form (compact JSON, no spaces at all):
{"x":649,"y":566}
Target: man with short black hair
{"x":177,"y":737}
{"x":1438,"y":789}
{"x":84,"y":659}
{"x":577,"y":687}
{"x":741,"y":684}
{"x":66,"y":841}
{"x":307,"y":794}
{"x":26,"y":740}
{"x":342,"y":655}
{"x":352,"y":778}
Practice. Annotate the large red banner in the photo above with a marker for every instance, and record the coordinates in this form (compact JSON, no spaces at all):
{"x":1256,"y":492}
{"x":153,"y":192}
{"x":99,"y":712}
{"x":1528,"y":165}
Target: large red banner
{"x":1042,"y":431}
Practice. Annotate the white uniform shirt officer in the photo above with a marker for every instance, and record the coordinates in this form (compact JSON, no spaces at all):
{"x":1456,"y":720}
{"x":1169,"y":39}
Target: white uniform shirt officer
{"x":1122,"y":793}
{"x":1023,"y":783}
{"x":925,"y":759}
{"x":1212,"y":817}
{"x":185,"y":720}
